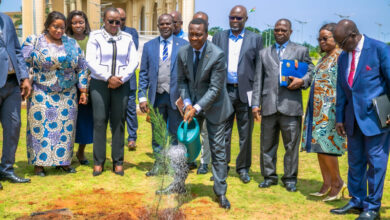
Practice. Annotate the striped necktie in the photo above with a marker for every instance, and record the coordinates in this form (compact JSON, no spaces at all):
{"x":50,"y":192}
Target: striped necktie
{"x":165,"y":50}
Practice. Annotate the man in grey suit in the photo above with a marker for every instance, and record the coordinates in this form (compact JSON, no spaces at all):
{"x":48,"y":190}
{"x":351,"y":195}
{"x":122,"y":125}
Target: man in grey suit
{"x":14,"y":84}
{"x":241,"y":49}
{"x":201,"y":80}
{"x":281,"y":107}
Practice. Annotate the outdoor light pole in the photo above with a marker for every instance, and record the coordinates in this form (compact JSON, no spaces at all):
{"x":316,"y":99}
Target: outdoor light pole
{"x":301,"y":23}
{"x":342,"y":16}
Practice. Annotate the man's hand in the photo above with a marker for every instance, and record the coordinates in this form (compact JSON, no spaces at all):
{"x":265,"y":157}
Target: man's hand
{"x":340,"y":129}
{"x":256,"y":113}
{"x":114,"y":82}
{"x":25,"y":89}
{"x":296,"y":83}
{"x":388,"y":120}
{"x":83,"y":98}
{"x":189,"y":113}
{"x":144,"y":107}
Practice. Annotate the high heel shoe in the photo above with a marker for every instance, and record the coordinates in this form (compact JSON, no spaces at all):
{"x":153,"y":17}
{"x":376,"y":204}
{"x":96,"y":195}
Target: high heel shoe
{"x":318,"y":194}
{"x":338,"y":196}
{"x":67,"y":169}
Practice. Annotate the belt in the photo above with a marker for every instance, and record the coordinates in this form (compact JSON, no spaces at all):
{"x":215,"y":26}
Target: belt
{"x":233,"y":84}
{"x":11,"y":76}
{"x":11,"y":72}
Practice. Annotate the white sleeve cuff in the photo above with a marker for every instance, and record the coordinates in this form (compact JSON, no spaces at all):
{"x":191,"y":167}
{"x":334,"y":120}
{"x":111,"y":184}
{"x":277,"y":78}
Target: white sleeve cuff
{"x":142,"y":99}
{"x":198,"y":108}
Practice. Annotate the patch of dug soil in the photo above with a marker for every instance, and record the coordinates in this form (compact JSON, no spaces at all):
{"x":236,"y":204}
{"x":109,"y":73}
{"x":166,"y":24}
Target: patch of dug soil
{"x":100,"y":204}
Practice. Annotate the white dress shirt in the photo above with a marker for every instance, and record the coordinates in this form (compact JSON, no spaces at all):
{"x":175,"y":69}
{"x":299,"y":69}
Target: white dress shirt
{"x":99,"y":55}
{"x":235,"y":44}
{"x":358,"y":51}
{"x":170,"y":43}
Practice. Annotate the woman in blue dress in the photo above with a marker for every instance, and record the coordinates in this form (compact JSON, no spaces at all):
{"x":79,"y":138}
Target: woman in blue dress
{"x":57,"y":65}
{"x":77,"y":27}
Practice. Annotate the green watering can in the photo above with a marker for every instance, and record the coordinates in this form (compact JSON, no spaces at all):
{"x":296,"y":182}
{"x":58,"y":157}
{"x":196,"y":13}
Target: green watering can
{"x":189,"y":135}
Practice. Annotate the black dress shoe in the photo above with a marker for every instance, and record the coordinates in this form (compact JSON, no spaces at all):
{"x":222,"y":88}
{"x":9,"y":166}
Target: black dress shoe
{"x":267,"y":183}
{"x":348,"y":208}
{"x":244,"y":177}
{"x":11,"y":176}
{"x":369,"y":215}
{"x":172,"y":188}
{"x":203,"y":169}
{"x":192,"y":165}
{"x":223,"y":202}
{"x":291,"y":187}
{"x":67,"y":169}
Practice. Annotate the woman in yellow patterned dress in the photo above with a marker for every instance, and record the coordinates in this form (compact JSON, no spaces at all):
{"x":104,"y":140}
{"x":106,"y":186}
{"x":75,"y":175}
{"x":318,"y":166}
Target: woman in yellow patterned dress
{"x":319,"y":134}
{"x":57,"y":65}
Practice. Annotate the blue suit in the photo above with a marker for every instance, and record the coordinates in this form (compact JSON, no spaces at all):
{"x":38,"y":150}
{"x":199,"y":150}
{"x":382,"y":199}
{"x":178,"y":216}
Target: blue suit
{"x":131,"y":113}
{"x":10,"y":98}
{"x":368,"y":143}
{"x":148,"y":77}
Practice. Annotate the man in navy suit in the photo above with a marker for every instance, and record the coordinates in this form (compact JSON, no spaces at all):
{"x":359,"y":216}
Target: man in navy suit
{"x":14,"y":84}
{"x":242,"y":53}
{"x":363,"y":74}
{"x":131,"y":113}
{"x":158,"y":80}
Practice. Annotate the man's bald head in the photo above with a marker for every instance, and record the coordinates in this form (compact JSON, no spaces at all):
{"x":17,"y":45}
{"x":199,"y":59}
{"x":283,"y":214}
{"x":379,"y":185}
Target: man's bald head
{"x":122,"y":15}
{"x":177,"y":15}
{"x":201,"y":15}
{"x":177,"y":22}
{"x":239,"y":9}
{"x":347,"y":35}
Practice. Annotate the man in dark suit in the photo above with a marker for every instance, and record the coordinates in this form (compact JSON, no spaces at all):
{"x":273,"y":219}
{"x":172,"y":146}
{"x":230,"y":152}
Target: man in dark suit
{"x":242,"y":51}
{"x":158,"y":80}
{"x":14,"y":84}
{"x":201,"y":80}
{"x":363,"y":74}
{"x":131,"y":113}
{"x":281,"y":107}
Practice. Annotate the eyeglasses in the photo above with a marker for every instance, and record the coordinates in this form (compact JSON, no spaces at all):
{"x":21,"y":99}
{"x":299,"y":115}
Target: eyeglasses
{"x":114,"y":21}
{"x":58,"y":27}
{"x":236,"y":18}
{"x":342,"y":44}
{"x":323,"y":39}
{"x":123,"y":19}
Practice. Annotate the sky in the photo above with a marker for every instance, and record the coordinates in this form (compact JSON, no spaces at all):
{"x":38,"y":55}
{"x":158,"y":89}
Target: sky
{"x":371,"y":16}
{"x":367,"y":14}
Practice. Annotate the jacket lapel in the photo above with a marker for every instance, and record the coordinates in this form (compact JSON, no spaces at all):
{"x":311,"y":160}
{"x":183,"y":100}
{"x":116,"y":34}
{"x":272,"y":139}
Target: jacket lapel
{"x":190,"y":62}
{"x":156,"y":59}
{"x":225,"y":45}
{"x":245,"y":44}
{"x":175,"y":46}
{"x":287,"y":52}
{"x":203,"y":62}
{"x":362,"y":59}
{"x":274,"y":55}
{"x":3,"y":29}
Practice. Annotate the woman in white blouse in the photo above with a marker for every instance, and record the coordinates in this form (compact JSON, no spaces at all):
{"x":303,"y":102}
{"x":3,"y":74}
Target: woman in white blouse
{"x":112,"y":58}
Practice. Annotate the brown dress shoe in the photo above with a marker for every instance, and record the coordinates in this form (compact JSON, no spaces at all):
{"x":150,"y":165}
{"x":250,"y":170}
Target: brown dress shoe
{"x":132,"y":146}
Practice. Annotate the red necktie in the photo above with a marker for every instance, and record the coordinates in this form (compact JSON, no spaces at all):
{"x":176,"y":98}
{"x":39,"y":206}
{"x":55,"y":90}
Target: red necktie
{"x":352,"y":70}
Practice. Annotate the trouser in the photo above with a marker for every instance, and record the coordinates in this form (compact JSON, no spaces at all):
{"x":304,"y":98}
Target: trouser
{"x":205,"y":157}
{"x":216,"y":133}
{"x":243,"y":114}
{"x":131,"y":117}
{"x":364,"y":152}
{"x":108,"y":104}
{"x":10,"y":102}
{"x":171,"y":116}
{"x":290,"y":127}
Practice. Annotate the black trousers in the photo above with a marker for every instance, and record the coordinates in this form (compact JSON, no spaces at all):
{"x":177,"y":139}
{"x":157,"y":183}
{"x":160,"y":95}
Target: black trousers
{"x":216,"y":133}
{"x":290,"y":127}
{"x":243,"y":114}
{"x":108,"y":104}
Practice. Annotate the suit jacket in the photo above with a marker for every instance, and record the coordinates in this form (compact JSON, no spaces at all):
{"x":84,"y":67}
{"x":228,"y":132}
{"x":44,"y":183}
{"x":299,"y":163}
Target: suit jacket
{"x":251,"y":45}
{"x":10,"y":49}
{"x":206,"y":87}
{"x":148,"y":75}
{"x":267,"y":91}
{"x":372,"y":79}
{"x":133,"y":32}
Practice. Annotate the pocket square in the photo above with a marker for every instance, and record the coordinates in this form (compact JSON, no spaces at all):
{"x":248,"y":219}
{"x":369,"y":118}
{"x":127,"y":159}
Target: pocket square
{"x":368,"y":68}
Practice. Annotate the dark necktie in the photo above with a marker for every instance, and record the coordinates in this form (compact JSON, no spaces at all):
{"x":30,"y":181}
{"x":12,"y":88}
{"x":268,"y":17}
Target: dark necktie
{"x":197,"y":54}
{"x":113,"y":66}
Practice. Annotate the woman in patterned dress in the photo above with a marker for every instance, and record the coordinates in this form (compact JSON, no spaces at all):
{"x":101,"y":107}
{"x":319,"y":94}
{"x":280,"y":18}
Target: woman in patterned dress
{"x":319,"y":134}
{"x":57,"y":65}
{"x":77,"y":27}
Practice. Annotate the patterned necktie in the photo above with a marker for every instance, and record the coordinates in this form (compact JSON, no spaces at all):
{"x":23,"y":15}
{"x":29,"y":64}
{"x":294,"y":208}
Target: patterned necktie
{"x":197,"y":54}
{"x":280,"y":52}
{"x":352,"y":70}
{"x":165,"y":50}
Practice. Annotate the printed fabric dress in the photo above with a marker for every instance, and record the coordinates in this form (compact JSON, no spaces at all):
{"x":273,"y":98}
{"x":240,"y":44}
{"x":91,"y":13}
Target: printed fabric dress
{"x":52,"y":106}
{"x":319,"y":134}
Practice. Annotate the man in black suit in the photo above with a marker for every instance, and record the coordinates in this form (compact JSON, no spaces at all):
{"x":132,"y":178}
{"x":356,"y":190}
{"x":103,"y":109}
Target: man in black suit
{"x":201,"y":78}
{"x":131,"y":113}
{"x":241,"y":50}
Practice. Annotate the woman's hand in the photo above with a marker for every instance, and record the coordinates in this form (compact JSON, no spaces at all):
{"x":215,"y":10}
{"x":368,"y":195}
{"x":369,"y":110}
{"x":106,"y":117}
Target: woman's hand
{"x":83,"y":98}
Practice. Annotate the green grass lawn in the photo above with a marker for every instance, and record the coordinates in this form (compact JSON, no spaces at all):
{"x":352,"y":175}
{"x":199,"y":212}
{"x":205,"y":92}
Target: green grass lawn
{"x":109,"y":193}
